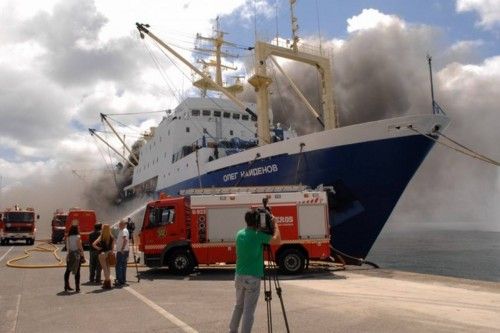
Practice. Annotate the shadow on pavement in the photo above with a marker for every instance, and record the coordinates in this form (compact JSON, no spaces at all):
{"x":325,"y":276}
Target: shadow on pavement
{"x":227,"y":274}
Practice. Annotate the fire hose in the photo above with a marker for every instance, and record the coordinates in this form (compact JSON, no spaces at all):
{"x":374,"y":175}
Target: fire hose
{"x":45,"y":247}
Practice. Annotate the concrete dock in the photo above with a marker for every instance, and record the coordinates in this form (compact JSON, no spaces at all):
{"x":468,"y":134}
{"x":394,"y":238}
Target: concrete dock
{"x":357,"y":299}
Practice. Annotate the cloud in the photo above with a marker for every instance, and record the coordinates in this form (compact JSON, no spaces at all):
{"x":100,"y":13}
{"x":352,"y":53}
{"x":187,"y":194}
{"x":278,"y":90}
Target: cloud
{"x":31,"y":107}
{"x":252,"y":8}
{"x":488,"y":10}
{"x":465,"y":51}
{"x":64,"y":62}
{"x":371,"y":18}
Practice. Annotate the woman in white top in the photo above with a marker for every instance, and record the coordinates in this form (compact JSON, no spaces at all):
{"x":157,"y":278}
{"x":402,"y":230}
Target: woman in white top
{"x":74,"y":258}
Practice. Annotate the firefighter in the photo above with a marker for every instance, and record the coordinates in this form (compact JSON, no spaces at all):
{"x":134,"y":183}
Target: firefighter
{"x":250,"y":269}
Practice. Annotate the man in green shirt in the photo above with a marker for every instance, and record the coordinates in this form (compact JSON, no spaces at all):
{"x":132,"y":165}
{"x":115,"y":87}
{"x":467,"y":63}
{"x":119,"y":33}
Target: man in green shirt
{"x":249,"y":269}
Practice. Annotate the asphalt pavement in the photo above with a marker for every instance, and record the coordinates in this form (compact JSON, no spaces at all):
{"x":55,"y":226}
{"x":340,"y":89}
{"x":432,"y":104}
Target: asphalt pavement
{"x":321,"y":300}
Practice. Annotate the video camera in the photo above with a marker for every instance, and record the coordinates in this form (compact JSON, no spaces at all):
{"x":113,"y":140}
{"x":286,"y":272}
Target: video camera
{"x":264,"y":219}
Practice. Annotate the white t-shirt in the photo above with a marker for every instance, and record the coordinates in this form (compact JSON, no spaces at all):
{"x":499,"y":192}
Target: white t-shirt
{"x":73,"y":243}
{"x":119,"y":240}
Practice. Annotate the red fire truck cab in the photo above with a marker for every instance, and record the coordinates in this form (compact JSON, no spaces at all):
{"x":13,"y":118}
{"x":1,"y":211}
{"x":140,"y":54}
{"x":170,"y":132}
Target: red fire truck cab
{"x":85,"y":219}
{"x":18,"y":224}
{"x":58,"y":226}
{"x":199,"y":228}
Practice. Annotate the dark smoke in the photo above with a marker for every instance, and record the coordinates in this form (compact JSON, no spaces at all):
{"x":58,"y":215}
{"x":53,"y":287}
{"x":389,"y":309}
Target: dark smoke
{"x":382,"y":73}
{"x":105,"y":193}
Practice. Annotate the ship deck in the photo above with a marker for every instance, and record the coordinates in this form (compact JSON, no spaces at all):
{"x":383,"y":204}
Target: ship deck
{"x":358,"y":299}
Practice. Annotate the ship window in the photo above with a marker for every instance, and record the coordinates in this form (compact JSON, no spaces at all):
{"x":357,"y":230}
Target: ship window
{"x":231,"y":132}
{"x":236,"y":116}
{"x":226,"y":115}
{"x":187,"y":129}
{"x":244,"y":117}
{"x":195,"y":113}
{"x":206,"y":112}
{"x":217,"y":113}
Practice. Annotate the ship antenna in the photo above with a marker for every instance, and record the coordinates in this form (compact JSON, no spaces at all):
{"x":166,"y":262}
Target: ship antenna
{"x":319,"y":29}
{"x":255,"y":21}
{"x":295,"y":27}
{"x":276,"y":17}
{"x":436,"y":109}
{"x":429,"y":60}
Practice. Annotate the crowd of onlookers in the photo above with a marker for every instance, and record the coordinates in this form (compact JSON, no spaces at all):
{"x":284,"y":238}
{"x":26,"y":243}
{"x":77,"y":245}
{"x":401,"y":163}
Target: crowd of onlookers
{"x":105,"y":251}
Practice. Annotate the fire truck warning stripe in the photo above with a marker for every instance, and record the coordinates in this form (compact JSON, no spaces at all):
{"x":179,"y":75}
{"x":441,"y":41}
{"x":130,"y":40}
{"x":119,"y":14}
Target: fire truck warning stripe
{"x":176,"y":321}
{"x":227,"y":244}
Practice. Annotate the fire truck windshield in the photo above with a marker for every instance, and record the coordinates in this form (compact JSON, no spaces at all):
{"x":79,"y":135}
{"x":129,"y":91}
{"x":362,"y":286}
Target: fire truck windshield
{"x":59,"y":221}
{"x":19,"y":217}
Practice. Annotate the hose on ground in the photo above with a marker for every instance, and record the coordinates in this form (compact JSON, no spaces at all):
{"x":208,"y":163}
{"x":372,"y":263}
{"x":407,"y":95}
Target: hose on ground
{"x":45,"y":247}
{"x":361,"y":261}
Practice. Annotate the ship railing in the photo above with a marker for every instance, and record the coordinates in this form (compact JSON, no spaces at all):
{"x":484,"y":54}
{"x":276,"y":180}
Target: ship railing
{"x":246,"y":189}
{"x":436,"y":109}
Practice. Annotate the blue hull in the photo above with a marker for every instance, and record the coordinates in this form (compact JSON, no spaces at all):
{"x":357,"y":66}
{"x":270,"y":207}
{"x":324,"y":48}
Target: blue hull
{"x":369,"y":179}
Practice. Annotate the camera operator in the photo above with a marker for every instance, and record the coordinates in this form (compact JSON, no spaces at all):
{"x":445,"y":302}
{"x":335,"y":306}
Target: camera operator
{"x":130,"y":228}
{"x":250,"y":269}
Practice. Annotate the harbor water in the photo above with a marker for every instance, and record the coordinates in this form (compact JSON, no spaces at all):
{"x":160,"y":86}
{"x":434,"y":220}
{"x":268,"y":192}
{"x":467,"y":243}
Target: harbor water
{"x":455,"y":253}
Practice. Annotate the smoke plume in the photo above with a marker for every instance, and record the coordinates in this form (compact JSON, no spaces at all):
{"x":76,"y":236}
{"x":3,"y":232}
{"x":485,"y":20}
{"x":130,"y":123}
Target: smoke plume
{"x":382,"y":73}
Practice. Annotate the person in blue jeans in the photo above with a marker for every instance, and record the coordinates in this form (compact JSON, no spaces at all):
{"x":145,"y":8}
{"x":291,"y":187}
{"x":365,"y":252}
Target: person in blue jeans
{"x":122,"y":251}
{"x":249,"y":270}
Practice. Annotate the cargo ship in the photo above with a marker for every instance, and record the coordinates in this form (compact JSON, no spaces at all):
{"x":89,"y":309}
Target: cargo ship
{"x":221,"y":141}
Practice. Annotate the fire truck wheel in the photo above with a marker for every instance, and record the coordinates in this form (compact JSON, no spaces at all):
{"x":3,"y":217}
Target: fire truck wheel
{"x":291,"y":261}
{"x":181,"y":262}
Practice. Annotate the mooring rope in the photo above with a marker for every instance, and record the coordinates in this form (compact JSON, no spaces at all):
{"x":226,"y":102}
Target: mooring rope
{"x":469,"y":152}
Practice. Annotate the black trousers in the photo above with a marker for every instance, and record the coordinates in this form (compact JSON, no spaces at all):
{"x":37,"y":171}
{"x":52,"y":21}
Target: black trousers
{"x":77,"y":276}
{"x":94,"y":267}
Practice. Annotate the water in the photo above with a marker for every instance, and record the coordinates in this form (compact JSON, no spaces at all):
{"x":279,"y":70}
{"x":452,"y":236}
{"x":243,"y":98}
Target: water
{"x":463,"y":254}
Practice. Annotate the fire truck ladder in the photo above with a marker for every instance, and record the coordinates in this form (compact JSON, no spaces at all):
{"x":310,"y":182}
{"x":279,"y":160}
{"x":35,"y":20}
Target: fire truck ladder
{"x":248,"y":189}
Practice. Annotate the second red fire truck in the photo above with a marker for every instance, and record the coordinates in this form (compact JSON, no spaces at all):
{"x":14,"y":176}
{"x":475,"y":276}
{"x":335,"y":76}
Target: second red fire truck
{"x":199,"y":227}
{"x":18,"y":224}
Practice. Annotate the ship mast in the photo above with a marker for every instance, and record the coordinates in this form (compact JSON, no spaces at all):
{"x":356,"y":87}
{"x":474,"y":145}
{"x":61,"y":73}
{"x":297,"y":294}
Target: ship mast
{"x":143,"y":29}
{"x":218,"y":41}
{"x":261,"y":81}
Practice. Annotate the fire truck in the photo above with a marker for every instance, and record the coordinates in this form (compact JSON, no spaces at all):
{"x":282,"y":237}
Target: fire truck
{"x":58,"y":226}
{"x":85,"y":220}
{"x":199,"y":226}
{"x":18,"y":224}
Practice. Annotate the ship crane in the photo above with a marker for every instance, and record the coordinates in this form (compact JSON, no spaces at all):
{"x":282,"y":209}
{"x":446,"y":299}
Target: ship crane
{"x":134,"y":158}
{"x":93,"y":133}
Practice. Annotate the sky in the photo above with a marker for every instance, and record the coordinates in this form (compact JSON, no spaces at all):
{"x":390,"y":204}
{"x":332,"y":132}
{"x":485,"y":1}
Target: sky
{"x":62,"y":63}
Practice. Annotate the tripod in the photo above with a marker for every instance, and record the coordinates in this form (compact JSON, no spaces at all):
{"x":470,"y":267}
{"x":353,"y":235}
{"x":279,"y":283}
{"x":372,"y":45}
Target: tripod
{"x":270,"y":278}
